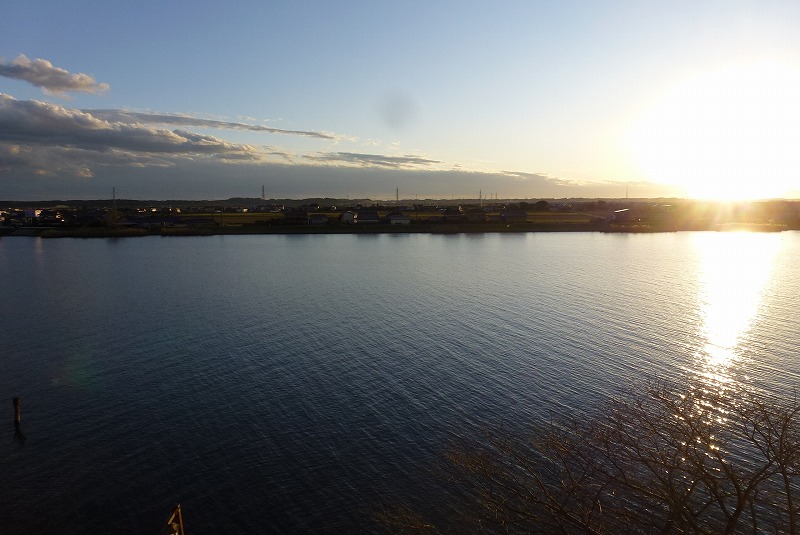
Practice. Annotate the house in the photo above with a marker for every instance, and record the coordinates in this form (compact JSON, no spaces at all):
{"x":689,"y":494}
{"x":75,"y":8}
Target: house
{"x":367,"y":217}
{"x":399,"y":219}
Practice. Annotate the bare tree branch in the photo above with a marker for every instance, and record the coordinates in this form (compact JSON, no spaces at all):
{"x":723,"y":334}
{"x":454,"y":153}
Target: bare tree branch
{"x":660,"y":460}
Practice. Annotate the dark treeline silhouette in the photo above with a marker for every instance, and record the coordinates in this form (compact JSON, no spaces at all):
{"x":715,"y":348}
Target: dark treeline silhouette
{"x":660,"y":460}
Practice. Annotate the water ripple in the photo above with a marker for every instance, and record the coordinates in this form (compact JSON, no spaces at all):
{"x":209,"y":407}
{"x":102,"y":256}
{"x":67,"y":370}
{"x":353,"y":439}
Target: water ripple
{"x":295,"y":383}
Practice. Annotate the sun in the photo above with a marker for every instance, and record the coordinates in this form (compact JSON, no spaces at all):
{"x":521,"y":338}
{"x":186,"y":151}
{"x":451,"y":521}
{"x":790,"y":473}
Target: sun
{"x":729,"y":134}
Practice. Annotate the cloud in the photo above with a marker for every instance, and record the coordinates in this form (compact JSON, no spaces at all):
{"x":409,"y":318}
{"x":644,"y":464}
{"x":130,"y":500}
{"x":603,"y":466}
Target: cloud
{"x":39,"y":138}
{"x":33,"y":160}
{"x":53,"y":80}
{"x":539,"y":178}
{"x":134,"y":176}
{"x":51,"y":139}
{"x":135,"y":117}
{"x":375,"y":160}
{"x":41,"y":123}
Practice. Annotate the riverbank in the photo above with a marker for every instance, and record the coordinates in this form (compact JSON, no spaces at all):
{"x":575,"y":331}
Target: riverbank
{"x":417,"y":228}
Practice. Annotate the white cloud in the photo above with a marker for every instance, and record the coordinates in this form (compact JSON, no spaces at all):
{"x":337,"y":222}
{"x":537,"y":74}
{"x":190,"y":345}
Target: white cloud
{"x":53,"y":80}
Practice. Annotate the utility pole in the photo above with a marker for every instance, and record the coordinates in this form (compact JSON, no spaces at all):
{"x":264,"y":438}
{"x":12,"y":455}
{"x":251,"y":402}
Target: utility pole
{"x":114,"y":206}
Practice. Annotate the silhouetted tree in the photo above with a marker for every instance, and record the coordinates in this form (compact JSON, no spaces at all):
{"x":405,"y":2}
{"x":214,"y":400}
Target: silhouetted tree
{"x":665,"y":460}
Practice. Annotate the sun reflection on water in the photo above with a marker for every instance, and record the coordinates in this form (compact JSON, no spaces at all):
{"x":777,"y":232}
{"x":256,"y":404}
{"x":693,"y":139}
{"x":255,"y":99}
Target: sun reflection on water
{"x":735,"y":268}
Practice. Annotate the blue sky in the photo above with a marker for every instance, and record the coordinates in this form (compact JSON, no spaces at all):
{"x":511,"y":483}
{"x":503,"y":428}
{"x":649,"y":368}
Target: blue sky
{"x":519,"y":99}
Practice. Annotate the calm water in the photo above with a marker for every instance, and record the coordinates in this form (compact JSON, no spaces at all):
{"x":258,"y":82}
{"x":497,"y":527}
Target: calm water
{"x":296,"y":383}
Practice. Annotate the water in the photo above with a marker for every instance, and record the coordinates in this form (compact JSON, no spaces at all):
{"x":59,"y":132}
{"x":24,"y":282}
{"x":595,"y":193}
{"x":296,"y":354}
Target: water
{"x":298,"y":383}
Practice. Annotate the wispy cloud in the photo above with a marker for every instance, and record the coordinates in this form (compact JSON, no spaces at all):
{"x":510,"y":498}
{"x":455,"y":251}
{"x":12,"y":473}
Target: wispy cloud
{"x":135,"y":117}
{"x":53,"y":80}
{"x":540,"y":178}
{"x":374,"y":160}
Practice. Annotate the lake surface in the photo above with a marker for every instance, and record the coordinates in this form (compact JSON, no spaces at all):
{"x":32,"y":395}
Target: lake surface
{"x":298,"y":383}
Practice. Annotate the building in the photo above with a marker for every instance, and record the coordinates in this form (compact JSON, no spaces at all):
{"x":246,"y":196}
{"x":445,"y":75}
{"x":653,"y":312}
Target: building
{"x":399,"y":219}
{"x":367,"y":217}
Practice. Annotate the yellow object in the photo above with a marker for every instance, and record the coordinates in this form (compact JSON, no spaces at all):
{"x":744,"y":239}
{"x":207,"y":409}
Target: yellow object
{"x":175,"y":522}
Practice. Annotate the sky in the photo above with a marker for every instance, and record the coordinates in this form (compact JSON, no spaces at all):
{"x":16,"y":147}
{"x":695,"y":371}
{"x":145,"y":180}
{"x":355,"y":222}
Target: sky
{"x":363,"y":99}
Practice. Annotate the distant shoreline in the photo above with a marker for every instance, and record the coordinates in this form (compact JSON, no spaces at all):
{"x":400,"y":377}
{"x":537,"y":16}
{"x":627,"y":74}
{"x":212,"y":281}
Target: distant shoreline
{"x":418,"y":228}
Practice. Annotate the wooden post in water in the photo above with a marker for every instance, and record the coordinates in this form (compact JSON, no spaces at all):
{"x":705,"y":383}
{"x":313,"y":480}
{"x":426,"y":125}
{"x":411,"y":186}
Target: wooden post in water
{"x":17,"y":412}
{"x":18,"y":434}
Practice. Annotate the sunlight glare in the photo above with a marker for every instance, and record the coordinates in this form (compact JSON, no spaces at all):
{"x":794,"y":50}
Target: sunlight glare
{"x":731,"y":134}
{"x":735,"y":268}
